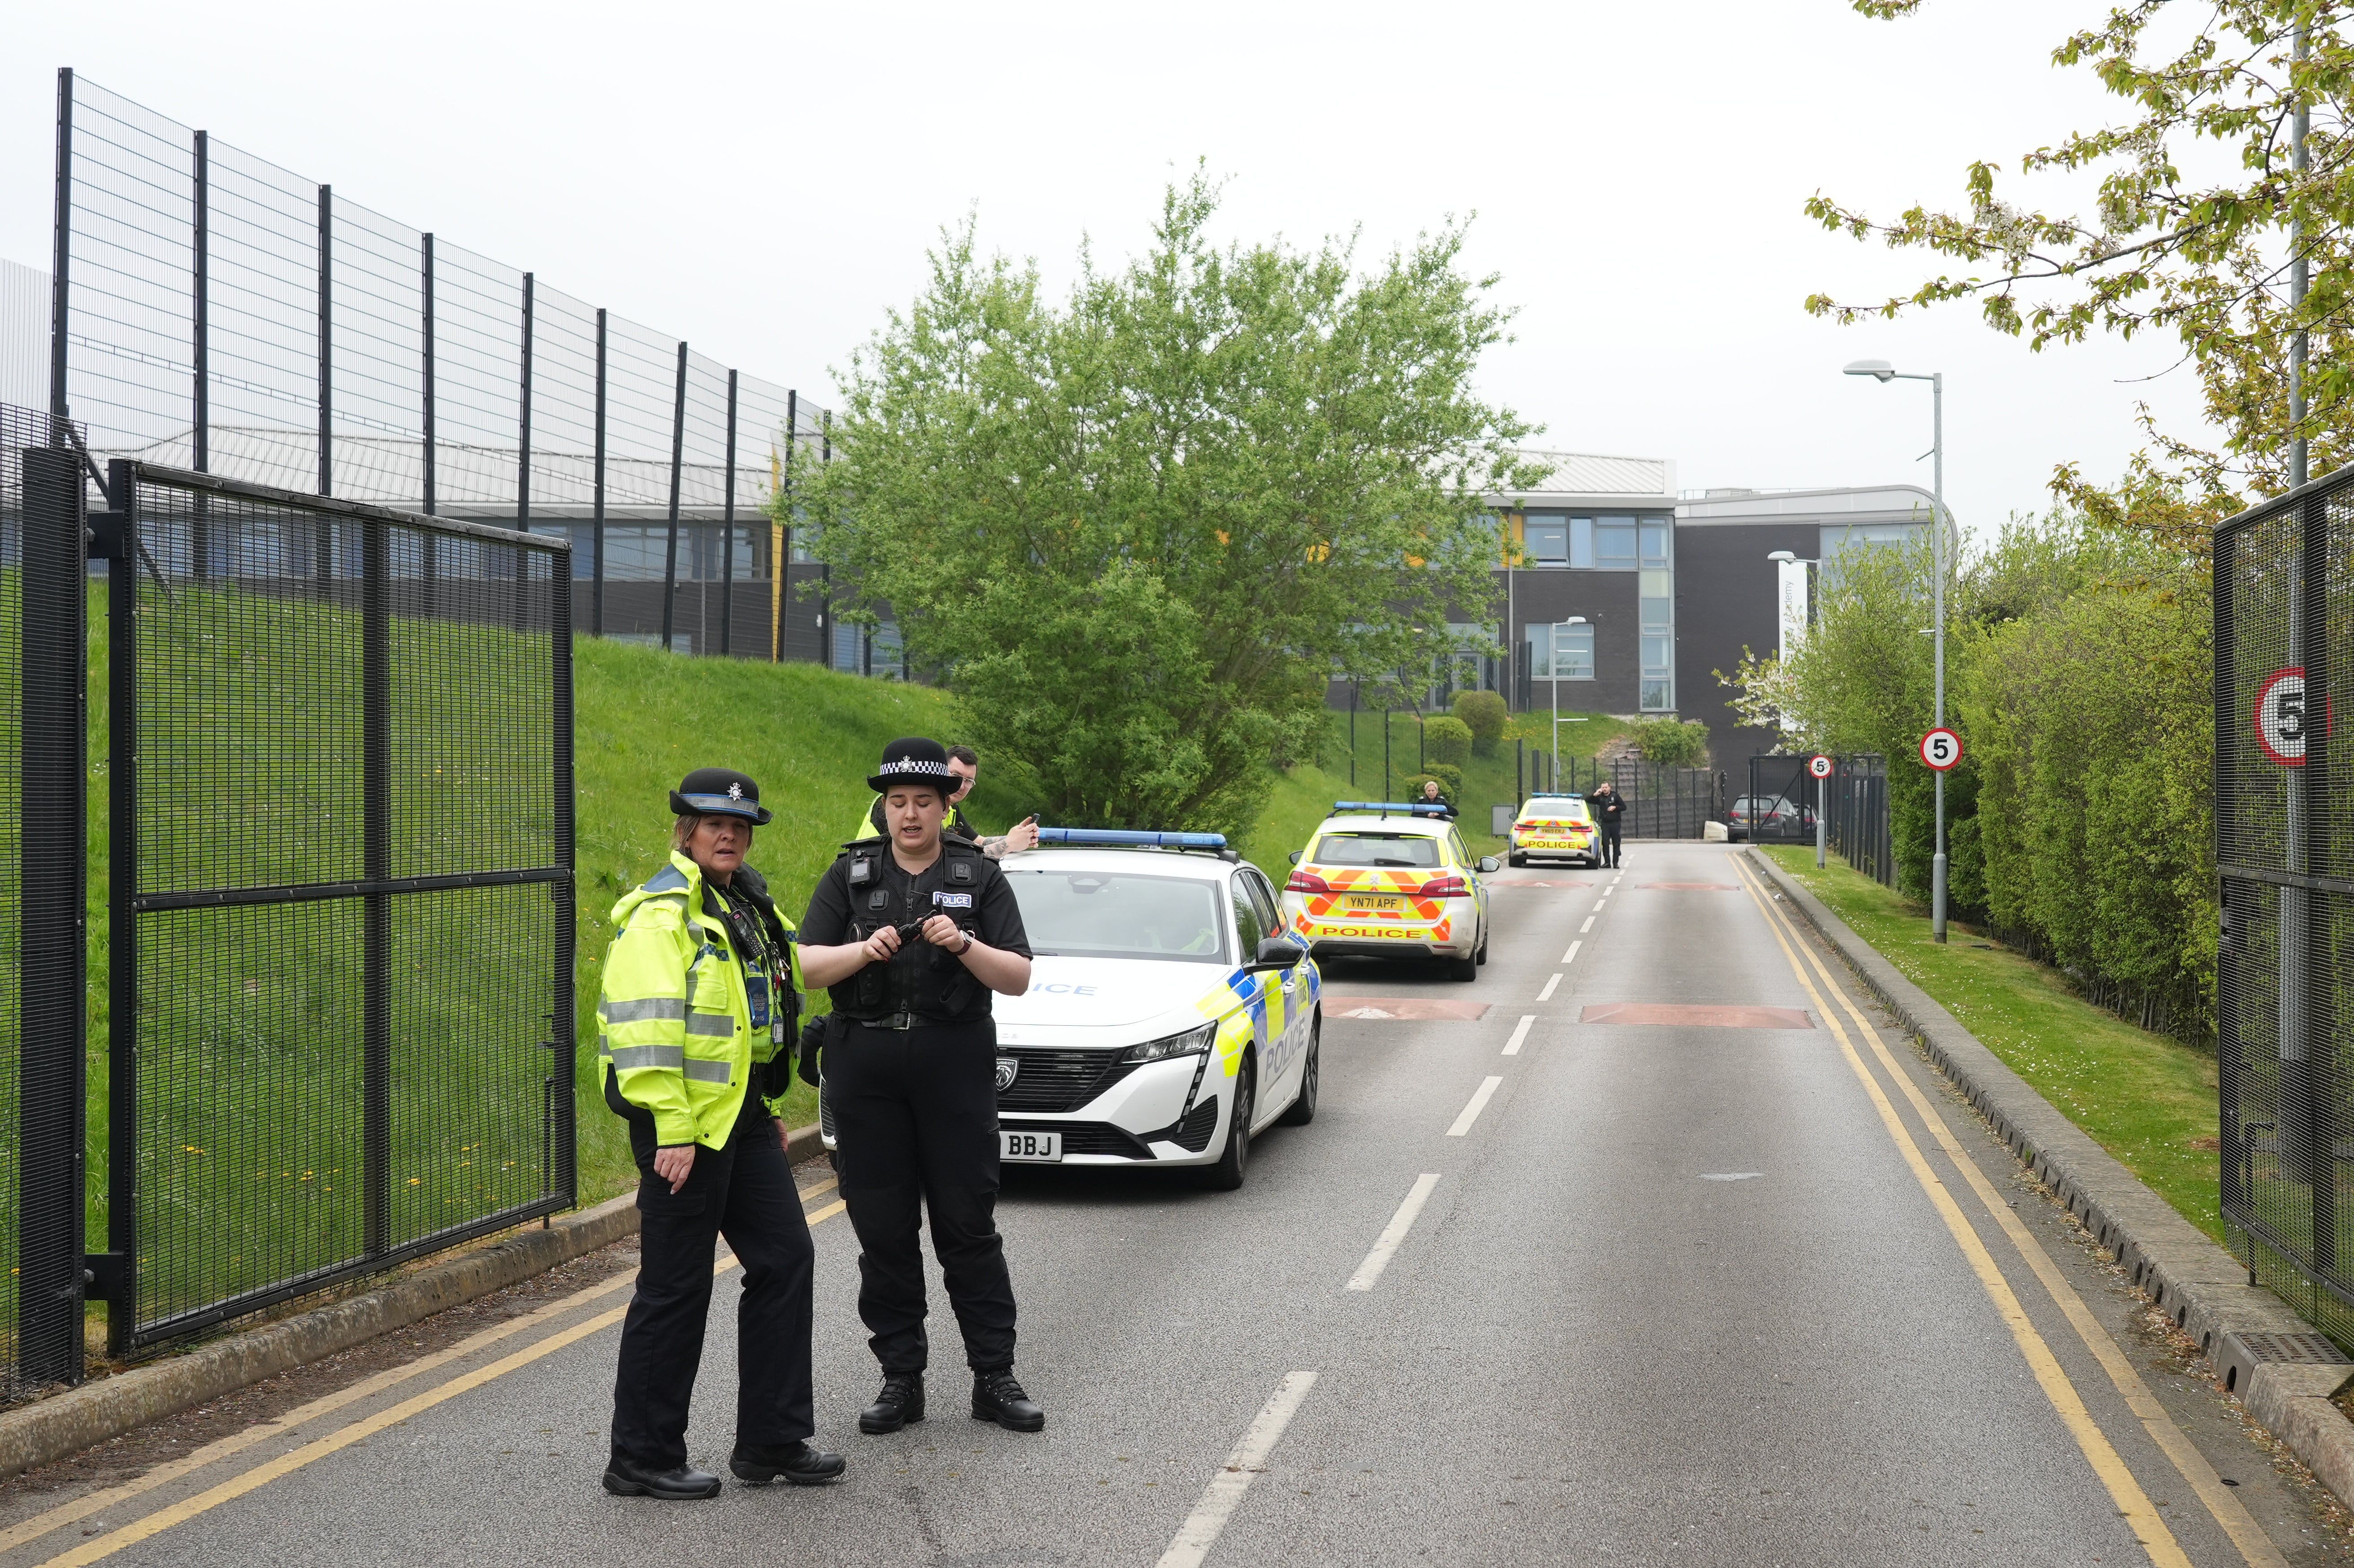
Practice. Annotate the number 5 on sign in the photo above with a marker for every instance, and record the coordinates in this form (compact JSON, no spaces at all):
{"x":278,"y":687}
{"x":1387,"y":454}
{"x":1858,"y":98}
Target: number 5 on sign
{"x":1941,"y":749}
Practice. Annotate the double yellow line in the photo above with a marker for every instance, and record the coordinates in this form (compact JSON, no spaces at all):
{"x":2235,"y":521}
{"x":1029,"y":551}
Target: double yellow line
{"x":342,"y":1437}
{"x":2133,"y":1504}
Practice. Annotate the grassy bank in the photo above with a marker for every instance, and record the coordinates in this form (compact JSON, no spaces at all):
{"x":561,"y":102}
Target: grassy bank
{"x":2147,"y":1098}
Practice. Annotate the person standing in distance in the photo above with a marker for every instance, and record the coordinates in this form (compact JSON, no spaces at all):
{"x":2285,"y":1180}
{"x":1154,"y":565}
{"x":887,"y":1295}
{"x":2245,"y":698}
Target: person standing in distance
{"x":964,"y":766}
{"x":1432,"y":795}
{"x":696,"y":1005}
{"x":1608,"y":807}
{"x":913,"y":933}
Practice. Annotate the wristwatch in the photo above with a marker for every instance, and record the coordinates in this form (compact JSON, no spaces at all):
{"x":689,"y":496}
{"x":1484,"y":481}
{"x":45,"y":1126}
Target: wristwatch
{"x":968,"y":944}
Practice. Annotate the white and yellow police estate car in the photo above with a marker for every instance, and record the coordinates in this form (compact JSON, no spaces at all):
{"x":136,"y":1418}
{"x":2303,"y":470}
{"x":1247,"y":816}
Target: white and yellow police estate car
{"x":1168,"y":1019}
{"x":1391,"y":879}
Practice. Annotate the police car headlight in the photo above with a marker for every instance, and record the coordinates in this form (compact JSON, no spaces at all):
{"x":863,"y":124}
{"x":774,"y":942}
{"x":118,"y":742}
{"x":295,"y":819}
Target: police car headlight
{"x":1192,"y":1043}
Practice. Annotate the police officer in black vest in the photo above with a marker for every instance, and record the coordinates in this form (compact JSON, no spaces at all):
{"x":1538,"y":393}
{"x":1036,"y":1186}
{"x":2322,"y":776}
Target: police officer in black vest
{"x":912,"y":930}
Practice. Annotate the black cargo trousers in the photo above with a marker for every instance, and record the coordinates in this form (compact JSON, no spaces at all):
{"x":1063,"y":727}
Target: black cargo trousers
{"x":745,"y":1192}
{"x":915,"y":1123}
{"x":1608,"y":832}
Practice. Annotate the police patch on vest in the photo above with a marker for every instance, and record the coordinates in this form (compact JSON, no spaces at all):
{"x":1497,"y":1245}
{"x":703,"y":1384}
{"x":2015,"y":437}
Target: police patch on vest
{"x":952,"y":900}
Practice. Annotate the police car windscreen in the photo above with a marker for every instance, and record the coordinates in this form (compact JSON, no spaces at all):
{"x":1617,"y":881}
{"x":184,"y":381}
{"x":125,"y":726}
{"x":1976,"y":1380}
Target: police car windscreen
{"x":1098,"y":914}
{"x":1375,"y":849}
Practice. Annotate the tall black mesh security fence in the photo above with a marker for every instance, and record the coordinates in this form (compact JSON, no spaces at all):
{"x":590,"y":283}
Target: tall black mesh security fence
{"x":42,"y":754}
{"x":1664,"y":803}
{"x":221,"y":313}
{"x":341,"y":935}
{"x":2285,"y":851}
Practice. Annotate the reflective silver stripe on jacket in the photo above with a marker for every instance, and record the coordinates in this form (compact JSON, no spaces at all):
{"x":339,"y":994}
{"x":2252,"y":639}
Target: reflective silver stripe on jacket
{"x":709,"y":1072}
{"x":657,"y":1007}
{"x":714,"y":1025}
{"x":628,"y":1058}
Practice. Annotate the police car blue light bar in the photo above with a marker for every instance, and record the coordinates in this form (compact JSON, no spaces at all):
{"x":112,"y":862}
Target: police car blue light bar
{"x":1402,"y":808}
{"x":1106,"y":836}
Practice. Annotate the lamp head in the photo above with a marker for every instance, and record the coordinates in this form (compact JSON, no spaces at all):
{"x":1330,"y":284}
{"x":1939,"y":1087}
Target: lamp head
{"x":1571,"y":621}
{"x":1877,"y":370}
{"x":1784,"y":558}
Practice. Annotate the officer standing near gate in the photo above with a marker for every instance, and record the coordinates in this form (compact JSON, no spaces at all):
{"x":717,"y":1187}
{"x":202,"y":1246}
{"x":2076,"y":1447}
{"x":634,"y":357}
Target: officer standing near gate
{"x":913,"y":930}
{"x":696,"y":1007}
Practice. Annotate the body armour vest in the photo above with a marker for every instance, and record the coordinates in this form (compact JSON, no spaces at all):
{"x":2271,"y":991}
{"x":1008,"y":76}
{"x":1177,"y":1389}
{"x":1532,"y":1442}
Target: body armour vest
{"x":922,"y":984}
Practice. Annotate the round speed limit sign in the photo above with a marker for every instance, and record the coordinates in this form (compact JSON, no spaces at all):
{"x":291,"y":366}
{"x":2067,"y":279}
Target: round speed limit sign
{"x":2280,"y":717}
{"x":1941,"y":749}
{"x":1819,"y":767}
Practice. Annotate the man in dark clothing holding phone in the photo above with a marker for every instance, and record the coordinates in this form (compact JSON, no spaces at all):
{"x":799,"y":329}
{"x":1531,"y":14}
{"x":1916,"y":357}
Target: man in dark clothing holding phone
{"x":1608,"y":808}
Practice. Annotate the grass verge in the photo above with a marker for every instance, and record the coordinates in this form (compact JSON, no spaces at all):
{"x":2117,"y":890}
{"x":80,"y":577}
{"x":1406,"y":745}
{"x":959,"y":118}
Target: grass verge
{"x":2148,"y":1099}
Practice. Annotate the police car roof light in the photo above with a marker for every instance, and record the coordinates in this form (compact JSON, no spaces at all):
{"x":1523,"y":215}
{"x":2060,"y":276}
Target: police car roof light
{"x":1404,"y":807}
{"x":1106,"y":837}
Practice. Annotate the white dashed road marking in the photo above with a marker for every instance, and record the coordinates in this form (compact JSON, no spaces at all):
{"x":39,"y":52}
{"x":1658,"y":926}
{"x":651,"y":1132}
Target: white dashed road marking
{"x":1225,"y":1492}
{"x":1546,"y":994}
{"x":1521,"y":1032}
{"x":1393,"y":1232}
{"x":1471,"y":1112}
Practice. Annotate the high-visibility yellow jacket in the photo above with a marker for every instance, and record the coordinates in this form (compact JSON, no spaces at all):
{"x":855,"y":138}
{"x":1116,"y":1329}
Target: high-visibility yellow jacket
{"x":675,"y":1022}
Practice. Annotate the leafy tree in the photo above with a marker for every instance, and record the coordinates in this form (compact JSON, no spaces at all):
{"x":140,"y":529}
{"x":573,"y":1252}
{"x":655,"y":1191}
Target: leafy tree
{"x":1447,"y":740}
{"x":2205,"y":259}
{"x":1140,"y":531}
{"x":1485,"y":715}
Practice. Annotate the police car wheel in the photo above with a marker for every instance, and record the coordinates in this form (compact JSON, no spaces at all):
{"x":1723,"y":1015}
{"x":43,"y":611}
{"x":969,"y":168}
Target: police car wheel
{"x":1463,"y":969}
{"x":1234,"y":1163}
{"x":1516,"y":858}
{"x":1303,"y":1111}
{"x":1481,"y":955}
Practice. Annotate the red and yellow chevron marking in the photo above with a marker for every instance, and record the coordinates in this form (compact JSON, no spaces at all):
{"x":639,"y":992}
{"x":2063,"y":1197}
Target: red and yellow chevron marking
{"x":1382,"y":880}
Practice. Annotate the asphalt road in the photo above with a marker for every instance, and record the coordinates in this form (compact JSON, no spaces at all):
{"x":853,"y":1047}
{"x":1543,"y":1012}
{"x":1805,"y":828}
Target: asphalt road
{"x":1689,"y":1287}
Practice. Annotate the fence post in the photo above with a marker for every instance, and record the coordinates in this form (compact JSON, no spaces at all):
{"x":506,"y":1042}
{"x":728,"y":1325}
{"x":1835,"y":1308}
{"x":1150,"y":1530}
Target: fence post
{"x":62,"y":255}
{"x":375,"y":835}
{"x":563,"y":1046}
{"x":727,"y":528}
{"x":118,"y":1283}
{"x":200,"y":543}
{"x":327,"y":361}
{"x":677,"y":453}
{"x":523,"y":432}
{"x":2308,"y":788}
{"x":780,"y":535}
{"x":597,"y":503}
{"x":53,"y":784}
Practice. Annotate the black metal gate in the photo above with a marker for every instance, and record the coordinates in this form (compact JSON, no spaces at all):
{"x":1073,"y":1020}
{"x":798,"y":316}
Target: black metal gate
{"x":340,"y":910}
{"x":1665,"y":802}
{"x":1780,"y":805}
{"x":2285,"y":851}
{"x":1856,"y":802}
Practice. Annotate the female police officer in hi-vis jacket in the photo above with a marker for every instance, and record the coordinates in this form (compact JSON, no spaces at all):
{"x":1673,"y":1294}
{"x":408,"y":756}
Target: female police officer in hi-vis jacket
{"x":913,"y":930}
{"x":697,"y":995}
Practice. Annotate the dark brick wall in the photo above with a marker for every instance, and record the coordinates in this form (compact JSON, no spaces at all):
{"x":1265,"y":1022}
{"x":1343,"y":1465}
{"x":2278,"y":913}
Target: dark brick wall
{"x":1726,"y":600}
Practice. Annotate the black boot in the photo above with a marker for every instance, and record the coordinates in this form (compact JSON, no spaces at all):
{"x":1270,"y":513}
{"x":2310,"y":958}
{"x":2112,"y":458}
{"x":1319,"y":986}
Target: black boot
{"x":997,"y":1397}
{"x":796,"y":1462}
{"x":625,"y":1477}
{"x":901,"y":1401}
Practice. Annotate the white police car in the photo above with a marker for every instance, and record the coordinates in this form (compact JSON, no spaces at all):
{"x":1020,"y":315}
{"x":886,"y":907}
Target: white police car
{"x":1169,"y":1018}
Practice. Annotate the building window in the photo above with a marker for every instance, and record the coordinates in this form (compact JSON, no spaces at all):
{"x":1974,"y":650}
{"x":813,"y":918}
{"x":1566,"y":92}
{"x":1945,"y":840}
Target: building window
{"x":1655,"y":544}
{"x":1560,"y":652}
{"x":1613,"y":544}
{"x":1546,"y":535}
{"x":1581,"y":543}
{"x":1658,"y":686}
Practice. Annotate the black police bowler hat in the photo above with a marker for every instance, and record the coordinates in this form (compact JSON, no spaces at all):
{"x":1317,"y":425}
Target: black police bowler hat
{"x":720,"y":791}
{"x":915,"y":760}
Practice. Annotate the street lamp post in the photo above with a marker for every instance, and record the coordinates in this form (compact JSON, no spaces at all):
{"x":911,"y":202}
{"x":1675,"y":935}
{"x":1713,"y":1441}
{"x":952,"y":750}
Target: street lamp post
{"x":1881,"y":370}
{"x":1553,"y":670}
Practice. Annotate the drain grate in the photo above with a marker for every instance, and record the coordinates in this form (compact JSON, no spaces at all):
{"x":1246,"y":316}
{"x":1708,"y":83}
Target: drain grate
{"x":2312,"y":1350}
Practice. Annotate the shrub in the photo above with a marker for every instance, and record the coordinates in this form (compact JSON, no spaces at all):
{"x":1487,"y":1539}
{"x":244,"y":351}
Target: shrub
{"x":1447,"y":740}
{"x":1672,"y":743}
{"x":1484,"y":715}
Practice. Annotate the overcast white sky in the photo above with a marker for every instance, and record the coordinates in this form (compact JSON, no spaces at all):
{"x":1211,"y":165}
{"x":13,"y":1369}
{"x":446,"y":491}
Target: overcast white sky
{"x":763,"y":180}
